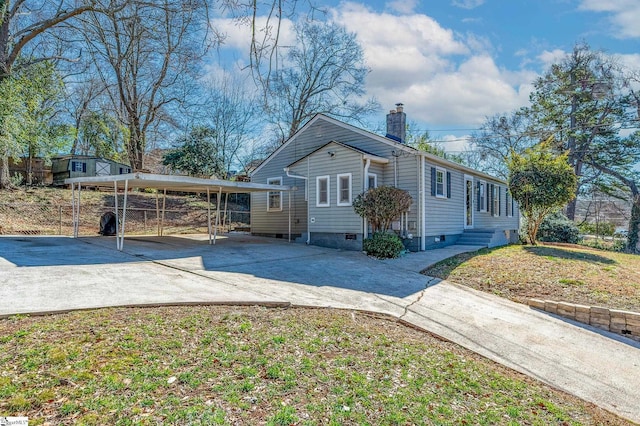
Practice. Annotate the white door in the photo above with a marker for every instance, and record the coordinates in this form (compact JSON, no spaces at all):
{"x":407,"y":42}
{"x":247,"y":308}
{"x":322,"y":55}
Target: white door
{"x":103,"y":169}
{"x":468,"y":202}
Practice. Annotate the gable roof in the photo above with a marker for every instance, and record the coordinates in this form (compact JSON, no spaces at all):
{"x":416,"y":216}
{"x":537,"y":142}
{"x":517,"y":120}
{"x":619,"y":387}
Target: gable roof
{"x":376,"y":137}
{"x":373,"y":157}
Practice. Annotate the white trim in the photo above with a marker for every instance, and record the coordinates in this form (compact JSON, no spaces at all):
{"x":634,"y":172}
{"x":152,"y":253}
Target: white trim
{"x":339,"y":202}
{"x":328,"y":179}
{"x":469,"y":178}
{"x":269,"y":180}
{"x":483,"y":196}
{"x":444,"y":182}
{"x":423,"y":208}
{"x":495,"y":198}
{"x":375,"y":180}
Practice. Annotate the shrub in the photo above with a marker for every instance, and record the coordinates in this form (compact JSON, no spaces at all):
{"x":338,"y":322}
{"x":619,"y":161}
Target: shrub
{"x":381,"y":205}
{"x":557,"y":228}
{"x":383,"y":245}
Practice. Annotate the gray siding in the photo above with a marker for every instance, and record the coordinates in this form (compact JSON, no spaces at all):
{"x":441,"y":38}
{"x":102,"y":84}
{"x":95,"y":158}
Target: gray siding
{"x":443,"y":216}
{"x":335,"y":219}
{"x":313,"y":136}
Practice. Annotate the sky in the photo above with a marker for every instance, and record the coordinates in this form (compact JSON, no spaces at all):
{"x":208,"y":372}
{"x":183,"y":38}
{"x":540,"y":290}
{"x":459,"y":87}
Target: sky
{"x":453,"y":63}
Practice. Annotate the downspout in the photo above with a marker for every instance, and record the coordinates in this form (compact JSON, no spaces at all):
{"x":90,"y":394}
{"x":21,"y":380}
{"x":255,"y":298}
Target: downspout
{"x":423,"y":210}
{"x":365,"y":182}
{"x":306,"y":179}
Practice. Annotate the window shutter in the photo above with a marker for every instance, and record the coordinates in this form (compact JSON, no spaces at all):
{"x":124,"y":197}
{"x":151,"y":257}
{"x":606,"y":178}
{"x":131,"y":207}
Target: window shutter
{"x":499,"y":201}
{"x":84,"y":167}
{"x":448,"y":184}
{"x":491,"y":200}
{"x":478,"y":206}
{"x":433,"y":181}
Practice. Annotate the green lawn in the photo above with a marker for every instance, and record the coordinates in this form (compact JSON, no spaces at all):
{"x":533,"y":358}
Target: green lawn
{"x":563,"y":273}
{"x":249,"y":365}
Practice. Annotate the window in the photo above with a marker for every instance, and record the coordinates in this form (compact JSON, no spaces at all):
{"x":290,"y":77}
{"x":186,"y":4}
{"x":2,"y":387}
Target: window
{"x":440,"y":182}
{"x":344,"y":189}
{"x":124,"y":170}
{"x":274,"y":198}
{"x":372,"y":180}
{"x":495,"y":198}
{"x":79,"y":166}
{"x":508,"y":207}
{"x":482,"y":196}
{"x":322,"y":191}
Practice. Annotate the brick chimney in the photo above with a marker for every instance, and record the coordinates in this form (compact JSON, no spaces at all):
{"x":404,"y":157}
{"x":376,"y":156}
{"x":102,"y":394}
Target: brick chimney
{"x":397,"y":124}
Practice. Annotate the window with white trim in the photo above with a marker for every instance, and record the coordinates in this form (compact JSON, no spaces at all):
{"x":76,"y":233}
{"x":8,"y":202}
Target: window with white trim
{"x":322,"y":191}
{"x":344,"y":189}
{"x":482,"y":196}
{"x":495,"y":197}
{"x":372,"y":180}
{"x":441,"y":184}
{"x":274,"y":198}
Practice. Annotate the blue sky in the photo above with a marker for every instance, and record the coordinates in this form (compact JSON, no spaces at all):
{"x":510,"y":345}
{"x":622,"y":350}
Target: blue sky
{"x":455,"y":62}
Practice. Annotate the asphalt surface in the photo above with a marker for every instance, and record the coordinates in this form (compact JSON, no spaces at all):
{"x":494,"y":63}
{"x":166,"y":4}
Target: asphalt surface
{"x":51,"y":274}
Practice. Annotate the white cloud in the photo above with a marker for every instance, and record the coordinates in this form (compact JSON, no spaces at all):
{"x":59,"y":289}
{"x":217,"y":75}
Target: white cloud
{"x":549,"y":57}
{"x":624,"y":15}
{"x":404,"y":7}
{"x":441,"y":77}
{"x":467,"y":4}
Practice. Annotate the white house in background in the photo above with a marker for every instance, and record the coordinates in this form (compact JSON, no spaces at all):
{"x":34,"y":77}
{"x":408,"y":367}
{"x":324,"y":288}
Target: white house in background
{"x":331,"y":162}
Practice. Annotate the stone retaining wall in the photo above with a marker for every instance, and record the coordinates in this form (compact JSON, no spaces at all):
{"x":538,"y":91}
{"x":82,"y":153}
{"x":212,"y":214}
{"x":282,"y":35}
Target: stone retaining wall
{"x":621,"y":322}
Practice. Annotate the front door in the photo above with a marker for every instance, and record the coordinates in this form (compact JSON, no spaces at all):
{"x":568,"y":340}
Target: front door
{"x":468,"y":202}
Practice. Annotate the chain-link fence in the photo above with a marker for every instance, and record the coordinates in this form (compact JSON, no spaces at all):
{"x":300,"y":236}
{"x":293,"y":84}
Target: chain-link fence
{"x":35,"y":219}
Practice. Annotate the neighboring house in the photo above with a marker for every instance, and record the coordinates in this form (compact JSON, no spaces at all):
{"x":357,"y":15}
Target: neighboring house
{"x":71,"y":166}
{"x":330,"y":162}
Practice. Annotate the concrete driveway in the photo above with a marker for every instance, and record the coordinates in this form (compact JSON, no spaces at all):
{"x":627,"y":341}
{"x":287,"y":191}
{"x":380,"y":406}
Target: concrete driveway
{"x":39,"y":274}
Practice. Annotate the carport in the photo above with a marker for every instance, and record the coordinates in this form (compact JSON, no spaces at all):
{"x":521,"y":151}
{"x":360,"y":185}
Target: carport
{"x":125,"y":182}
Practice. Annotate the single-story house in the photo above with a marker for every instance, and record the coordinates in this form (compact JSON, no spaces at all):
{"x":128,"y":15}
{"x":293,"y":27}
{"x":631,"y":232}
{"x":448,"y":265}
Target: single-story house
{"x":74,"y":166}
{"x":330,"y":162}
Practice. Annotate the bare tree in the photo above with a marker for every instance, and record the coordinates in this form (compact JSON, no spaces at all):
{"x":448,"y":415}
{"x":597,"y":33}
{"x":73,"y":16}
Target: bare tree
{"x":498,"y":137}
{"x":146,"y":55}
{"x":235,"y":115}
{"x":323,"y":73}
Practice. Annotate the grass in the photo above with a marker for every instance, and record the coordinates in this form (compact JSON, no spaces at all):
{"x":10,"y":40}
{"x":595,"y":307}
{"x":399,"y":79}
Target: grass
{"x":224,"y":365}
{"x":563,"y":273}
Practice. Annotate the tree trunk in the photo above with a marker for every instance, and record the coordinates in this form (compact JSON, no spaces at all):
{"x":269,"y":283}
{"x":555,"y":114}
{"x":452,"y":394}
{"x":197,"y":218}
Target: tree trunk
{"x":5,"y":181}
{"x":633,"y":244}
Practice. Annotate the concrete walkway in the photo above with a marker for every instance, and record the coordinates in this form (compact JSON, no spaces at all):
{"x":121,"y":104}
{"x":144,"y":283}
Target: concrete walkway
{"x":54,"y":273}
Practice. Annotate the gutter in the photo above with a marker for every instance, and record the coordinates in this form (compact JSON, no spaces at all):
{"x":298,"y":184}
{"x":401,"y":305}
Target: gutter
{"x":365,"y":181}
{"x":306,"y":179}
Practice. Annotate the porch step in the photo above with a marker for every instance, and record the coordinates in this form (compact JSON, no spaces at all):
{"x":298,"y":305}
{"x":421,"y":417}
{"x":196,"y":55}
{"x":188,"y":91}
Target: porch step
{"x":482,"y":237}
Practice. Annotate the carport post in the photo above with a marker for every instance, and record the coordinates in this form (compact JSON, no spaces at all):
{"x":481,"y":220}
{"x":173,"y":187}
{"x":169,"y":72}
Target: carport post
{"x":215,"y":231}
{"x":164,"y":205}
{"x":115,"y":197}
{"x":209,"y":213}
{"x":289,"y":198}
{"x":158,"y":212}
{"x":120,"y":237}
{"x":226,"y":204}
{"x":75,"y":209}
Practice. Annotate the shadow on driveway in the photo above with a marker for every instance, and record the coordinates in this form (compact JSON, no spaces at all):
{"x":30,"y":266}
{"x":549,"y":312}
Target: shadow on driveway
{"x":263,"y":258}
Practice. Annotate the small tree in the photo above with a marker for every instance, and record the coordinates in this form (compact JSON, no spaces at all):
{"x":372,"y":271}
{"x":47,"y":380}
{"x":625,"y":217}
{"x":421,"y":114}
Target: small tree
{"x":381,"y":205}
{"x":196,"y":155}
{"x":540,"y":182}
